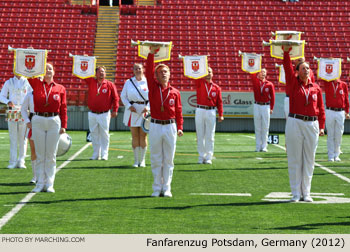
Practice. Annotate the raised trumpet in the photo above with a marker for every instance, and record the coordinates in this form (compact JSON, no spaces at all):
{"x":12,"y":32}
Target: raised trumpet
{"x":284,"y":42}
{"x":10,"y":49}
{"x":286,"y":33}
{"x":149,"y":43}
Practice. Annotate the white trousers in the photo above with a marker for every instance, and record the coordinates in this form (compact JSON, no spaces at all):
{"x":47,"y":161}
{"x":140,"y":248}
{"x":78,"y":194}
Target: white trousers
{"x":302,"y":140}
{"x":335,"y":129}
{"x":46,"y":134}
{"x":261,"y":125}
{"x":162,"y":142}
{"x":17,"y":142}
{"x":205,"y":130}
{"x":99,"y":130}
{"x":286,"y":107}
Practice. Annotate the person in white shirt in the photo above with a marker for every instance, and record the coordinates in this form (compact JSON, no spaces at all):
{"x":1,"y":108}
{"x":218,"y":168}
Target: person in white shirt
{"x":12,"y":94}
{"x":135,"y":99}
{"x":28,"y":106}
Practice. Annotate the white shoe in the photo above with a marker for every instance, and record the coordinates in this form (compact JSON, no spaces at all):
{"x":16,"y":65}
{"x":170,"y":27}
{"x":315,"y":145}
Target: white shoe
{"x":295,"y":198}
{"x":308,"y":199}
{"x":11,"y":166}
{"x":33,"y":181}
{"x":167,"y":194}
{"x":104,"y":158}
{"x":143,"y":164}
{"x":330,"y":159}
{"x":94,"y":158}
{"x":50,"y":190}
{"x":264,"y":150}
{"x":155,"y":194}
{"x":37,"y":189}
{"x":337,"y":159}
{"x":135,"y":165}
{"x":207,"y":162}
{"x":22,"y":166}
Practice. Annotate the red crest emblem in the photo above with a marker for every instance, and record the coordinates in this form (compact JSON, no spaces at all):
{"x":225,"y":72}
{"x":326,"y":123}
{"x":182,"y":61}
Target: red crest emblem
{"x":251,"y":62}
{"x":329,"y":68}
{"x":29,"y":62}
{"x":195,"y":65}
{"x":84,"y":65}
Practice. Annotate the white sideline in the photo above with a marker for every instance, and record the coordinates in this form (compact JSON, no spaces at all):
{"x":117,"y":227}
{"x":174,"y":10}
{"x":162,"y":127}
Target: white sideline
{"x":30,"y":195}
{"x":316,"y":164}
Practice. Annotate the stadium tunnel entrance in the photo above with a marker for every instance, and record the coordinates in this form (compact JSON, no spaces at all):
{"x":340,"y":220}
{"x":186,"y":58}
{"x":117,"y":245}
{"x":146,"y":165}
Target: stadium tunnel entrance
{"x":116,"y":2}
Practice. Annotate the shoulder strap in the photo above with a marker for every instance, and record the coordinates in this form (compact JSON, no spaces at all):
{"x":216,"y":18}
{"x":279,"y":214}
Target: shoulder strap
{"x":138,"y":90}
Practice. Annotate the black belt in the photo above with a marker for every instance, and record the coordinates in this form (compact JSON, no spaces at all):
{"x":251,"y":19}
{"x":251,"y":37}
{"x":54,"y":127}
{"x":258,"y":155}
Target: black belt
{"x":302,"y":117}
{"x":139,"y":102}
{"x":262,"y":103}
{"x":31,"y":116}
{"x":335,"y":109}
{"x":162,"y":122}
{"x":46,"y":114}
{"x":96,"y":112}
{"x":287,"y":96}
{"x":205,"y":107}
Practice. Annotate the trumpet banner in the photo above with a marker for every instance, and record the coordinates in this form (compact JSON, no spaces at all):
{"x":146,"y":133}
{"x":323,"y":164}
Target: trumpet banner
{"x":296,"y":52}
{"x":329,"y":69}
{"x":195,"y":67}
{"x":29,"y":63}
{"x":251,"y":62}
{"x":163,"y":54}
{"x":281,"y":75}
{"x":84,"y":66}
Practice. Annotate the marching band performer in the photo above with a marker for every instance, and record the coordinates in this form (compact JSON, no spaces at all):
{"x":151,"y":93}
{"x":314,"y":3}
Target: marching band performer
{"x":48,"y":122}
{"x":28,"y":105}
{"x":12,"y":94}
{"x":208,"y":98}
{"x":337,"y":108}
{"x":135,"y":99}
{"x":166,"y":109}
{"x":264,"y":95}
{"x":305,"y":123}
{"x":286,"y":99}
{"x":102,"y":96}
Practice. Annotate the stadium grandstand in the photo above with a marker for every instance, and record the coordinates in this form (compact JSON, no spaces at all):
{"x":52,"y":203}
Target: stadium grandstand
{"x":218,"y":28}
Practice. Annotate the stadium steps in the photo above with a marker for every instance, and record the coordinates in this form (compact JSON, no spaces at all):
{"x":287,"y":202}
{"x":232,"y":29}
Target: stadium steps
{"x":106,"y":39}
{"x":145,"y":2}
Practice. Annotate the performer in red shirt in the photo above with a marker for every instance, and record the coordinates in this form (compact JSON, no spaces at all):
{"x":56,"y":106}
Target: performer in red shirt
{"x":48,"y":122}
{"x":286,"y":99}
{"x":264,"y":95}
{"x":208,"y":98}
{"x":166,"y":109}
{"x":337,"y":108}
{"x":305,"y":123}
{"x":102,"y":96}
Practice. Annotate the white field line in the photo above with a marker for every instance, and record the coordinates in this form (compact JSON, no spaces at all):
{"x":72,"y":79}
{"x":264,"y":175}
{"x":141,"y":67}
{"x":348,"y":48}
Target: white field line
{"x":316,"y":164}
{"x":30,"y":195}
{"x":223,"y":194}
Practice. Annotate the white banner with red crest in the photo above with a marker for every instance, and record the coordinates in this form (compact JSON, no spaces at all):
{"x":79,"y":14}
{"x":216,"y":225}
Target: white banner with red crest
{"x":281,"y":74}
{"x":84,"y":66}
{"x":251,"y":62}
{"x":329,"y":69}
{"x":195,"y":67}
{"x":29,"y":63}
{"x":163,"y":53}
{"x":286,"y":38}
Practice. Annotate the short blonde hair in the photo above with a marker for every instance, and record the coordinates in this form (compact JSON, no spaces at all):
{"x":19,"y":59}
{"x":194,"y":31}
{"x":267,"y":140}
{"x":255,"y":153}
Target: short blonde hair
{"x":161,"y":66}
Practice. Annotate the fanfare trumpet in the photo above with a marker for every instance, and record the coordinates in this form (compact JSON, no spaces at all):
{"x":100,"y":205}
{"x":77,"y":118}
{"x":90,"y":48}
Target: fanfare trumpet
{"x":285,"y":33}
{"x":284,"y":42}
{"x":317,"y":59}
{"x":150,"y":43}
{"x":10,"y":49}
